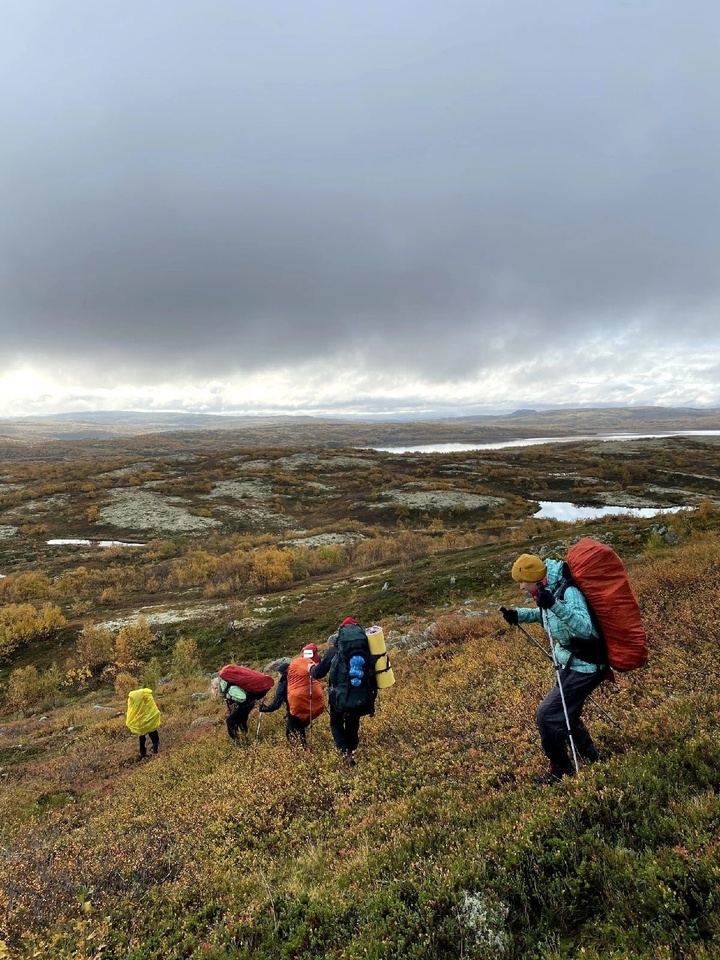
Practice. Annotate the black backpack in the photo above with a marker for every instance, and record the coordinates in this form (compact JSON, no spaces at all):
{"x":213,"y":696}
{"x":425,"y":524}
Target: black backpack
{"x":352,"y":674}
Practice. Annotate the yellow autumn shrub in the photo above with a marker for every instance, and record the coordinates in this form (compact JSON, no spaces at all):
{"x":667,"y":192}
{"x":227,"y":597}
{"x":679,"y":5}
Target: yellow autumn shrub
{"x":21,"y":622}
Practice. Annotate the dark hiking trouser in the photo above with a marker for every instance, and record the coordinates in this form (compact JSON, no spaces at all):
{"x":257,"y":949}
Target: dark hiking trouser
{"x":237,"y":719}
{"x":154,"y":740}
{"x":295,"y":729}
{"x":345,"y":729}
{"x":577,"y":687}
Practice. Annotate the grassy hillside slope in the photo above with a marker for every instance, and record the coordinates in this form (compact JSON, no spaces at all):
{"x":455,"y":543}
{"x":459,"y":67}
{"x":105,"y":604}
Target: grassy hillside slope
{"x":436,"y":845}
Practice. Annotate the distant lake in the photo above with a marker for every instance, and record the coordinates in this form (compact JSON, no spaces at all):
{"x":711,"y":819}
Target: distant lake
{"x":91,"y":543}
{"x":569,"y":512}
{"x":534,"y":441}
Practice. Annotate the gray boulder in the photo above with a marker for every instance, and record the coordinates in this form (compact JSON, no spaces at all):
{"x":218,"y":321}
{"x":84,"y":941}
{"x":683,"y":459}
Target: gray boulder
{"x":276,"y":664}
{"x":204,"y":722}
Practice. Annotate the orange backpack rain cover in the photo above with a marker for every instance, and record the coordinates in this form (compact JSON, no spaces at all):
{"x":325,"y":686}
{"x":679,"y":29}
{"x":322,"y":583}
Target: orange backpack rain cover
{"x":601,"y":576}
{"x":299,"y":684}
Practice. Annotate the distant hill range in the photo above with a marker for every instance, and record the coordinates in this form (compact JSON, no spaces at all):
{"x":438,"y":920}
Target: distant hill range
{"x":210,"y":429}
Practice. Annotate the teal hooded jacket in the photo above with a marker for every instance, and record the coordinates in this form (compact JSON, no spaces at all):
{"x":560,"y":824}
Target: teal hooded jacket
{"x":567,"y":618}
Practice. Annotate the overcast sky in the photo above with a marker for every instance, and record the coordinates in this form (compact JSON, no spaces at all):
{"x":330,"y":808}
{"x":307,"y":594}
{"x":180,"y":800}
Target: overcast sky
{"x":396,"y":206}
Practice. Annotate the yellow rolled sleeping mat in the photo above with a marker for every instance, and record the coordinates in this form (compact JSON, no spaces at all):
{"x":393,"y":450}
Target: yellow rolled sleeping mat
{"x":383,"y":671}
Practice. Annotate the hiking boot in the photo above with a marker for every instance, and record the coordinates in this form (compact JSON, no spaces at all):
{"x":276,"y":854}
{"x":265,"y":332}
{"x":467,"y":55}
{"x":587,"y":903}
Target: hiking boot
{"x":592,"y":756}
{"x":551,"y":777}
{"x":348,"y":759}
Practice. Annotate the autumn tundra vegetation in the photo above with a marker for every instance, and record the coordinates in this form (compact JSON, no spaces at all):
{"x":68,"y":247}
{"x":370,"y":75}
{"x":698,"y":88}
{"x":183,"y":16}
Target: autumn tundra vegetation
{"x":438,"y":843}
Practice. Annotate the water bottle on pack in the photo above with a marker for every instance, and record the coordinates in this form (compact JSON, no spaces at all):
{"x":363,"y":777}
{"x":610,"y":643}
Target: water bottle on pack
{"x":357,"y":670}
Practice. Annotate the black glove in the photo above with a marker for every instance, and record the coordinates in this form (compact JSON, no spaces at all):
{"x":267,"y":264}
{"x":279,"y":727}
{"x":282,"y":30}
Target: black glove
{"x":545,"y":598}
{"x":263,"y":708}
{"x":511,"y":616}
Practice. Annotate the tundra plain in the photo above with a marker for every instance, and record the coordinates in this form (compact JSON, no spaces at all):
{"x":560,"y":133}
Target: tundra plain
{"x":437,"y":844}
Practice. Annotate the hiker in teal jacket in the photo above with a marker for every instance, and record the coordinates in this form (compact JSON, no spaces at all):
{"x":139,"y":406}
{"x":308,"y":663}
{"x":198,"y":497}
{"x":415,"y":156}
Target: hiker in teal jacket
{"x":579,"y":651}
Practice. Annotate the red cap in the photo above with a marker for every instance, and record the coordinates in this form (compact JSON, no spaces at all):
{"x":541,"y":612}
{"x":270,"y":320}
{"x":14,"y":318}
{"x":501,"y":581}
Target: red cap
{"x":312,"y":650}
{"x":348,"y":620}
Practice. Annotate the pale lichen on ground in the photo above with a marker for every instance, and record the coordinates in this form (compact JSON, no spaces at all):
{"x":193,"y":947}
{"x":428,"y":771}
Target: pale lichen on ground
{"x":137,"y":509}
{"x":438,"y":500}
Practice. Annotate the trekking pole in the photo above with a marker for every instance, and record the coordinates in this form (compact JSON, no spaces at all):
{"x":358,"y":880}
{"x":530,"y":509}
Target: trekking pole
{"x":591,"y":699}
{"x":309,"y":729}
{"x":257,"y":732}
{"x":560,"y":688}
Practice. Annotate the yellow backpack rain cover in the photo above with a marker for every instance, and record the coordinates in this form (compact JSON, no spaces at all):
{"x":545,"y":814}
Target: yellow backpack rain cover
{"x":143,"y":715}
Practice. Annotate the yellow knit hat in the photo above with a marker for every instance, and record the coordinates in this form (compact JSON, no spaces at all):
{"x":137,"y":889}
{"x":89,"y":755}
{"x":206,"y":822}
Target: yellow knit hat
{"x":528,"y":569}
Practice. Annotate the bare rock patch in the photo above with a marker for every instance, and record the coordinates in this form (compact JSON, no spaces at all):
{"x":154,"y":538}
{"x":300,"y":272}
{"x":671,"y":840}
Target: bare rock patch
{"x":258,"y":466}
{"x":239,"y":489}
{"x":157,"y":617}
{"x":143,"y":510}
{"x":41,"y":506}
{"x":326,"y":540}
{"x":439,"y":500}
{"x":140,"y":467}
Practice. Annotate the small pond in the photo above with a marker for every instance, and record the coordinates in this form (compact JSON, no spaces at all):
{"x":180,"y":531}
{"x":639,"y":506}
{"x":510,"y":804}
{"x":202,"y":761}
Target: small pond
{"x":569,"y":512}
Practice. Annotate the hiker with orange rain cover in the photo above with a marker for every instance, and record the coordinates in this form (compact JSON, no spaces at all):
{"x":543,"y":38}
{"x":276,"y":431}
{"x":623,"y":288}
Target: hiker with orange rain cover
{"x":302,"y":696}
{"x":143,"y":719}
{"x":579,"y":656}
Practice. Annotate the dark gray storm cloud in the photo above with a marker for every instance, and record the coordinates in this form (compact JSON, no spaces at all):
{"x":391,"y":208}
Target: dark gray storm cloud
{"x":218,"y":186}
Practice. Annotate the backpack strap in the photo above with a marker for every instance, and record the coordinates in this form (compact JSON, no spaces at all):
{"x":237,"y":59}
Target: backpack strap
{"x":388,"y":665}
{"x":559,"y":594}
{"x":590,"y":649}
{"x":566,"y":580}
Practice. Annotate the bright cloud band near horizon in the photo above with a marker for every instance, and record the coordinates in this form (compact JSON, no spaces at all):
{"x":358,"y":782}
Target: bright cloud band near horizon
{"x":686,"y":381}
{"x":383,"y":208}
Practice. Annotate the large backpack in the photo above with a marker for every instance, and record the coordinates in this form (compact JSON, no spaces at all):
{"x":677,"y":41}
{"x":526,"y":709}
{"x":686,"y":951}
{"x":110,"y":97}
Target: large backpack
{"x":304,"y":695}
{"x":352,"y":675}
{"x":601,"y":576}
{"x":143,"y":715}
{"x":251,"y":681}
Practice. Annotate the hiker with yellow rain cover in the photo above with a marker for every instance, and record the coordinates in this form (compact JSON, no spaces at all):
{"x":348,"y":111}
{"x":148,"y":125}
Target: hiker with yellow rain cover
{"x":143,"y":719}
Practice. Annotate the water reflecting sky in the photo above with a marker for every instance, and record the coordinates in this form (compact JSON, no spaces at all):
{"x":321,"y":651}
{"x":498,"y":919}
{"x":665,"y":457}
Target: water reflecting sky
{"x":534,"y":441}
{"x":569,"y":512}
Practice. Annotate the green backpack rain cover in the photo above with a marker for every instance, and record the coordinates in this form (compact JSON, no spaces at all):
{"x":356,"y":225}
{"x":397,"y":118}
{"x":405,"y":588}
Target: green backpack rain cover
{"x":352,"y":674}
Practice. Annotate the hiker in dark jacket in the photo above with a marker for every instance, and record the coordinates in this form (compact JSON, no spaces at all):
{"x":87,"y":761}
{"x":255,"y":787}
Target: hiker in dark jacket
{"x":293,"y":690}
{"x":344,"y":721}
{"x":579,"y":651}
{"x":280,"y":697}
